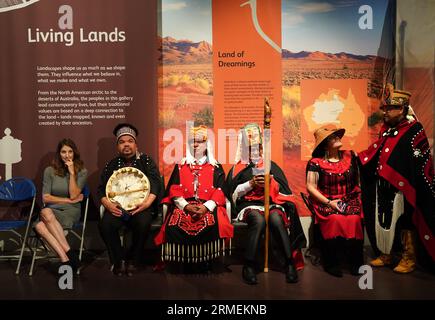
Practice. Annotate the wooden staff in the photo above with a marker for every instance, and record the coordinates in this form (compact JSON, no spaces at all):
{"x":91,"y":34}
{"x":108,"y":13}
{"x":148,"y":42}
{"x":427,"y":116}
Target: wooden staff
{"x":120,"y":193}
{"x":267,"y":158}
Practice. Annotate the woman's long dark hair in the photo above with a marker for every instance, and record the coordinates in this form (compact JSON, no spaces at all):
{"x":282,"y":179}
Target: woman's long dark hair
{"x":322,"y":148}
{"x":59,"y":166}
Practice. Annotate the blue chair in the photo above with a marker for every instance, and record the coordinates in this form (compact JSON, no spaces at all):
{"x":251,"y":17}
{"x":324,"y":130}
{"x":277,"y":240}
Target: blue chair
{"x":17,"y":190}
{"x":81,"y":225}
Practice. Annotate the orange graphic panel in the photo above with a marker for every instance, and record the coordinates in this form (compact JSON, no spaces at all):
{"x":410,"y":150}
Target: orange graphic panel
{"x":340,"y":102}
{"x":247,"y":66}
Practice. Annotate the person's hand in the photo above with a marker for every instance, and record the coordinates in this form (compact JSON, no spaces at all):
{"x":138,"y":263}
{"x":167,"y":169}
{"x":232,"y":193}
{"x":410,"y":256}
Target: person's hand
{"x":257,"y":181}
{"x":111,"y":207}
{"x":143,"y":206}
{"x":70,"y":166}
{"x":200,"y":211}
{"x":190,"y":208}
{"x":79,"y":198}
{"x":193,"y":210}
{"x":334,"y":204}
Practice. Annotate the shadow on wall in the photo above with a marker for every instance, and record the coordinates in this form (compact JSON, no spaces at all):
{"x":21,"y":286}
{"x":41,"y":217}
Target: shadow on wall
{"x":106,"y":150}
{"x":44,"y":162}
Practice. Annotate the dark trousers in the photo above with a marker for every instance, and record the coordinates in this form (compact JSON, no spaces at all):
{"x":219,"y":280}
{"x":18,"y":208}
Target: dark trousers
{"x":139,"y":224}
{"x":352,"y":248}
{"x":256,"y":226}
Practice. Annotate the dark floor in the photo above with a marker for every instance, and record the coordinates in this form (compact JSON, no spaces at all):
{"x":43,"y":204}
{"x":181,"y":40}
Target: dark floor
{"x":97,"y":282}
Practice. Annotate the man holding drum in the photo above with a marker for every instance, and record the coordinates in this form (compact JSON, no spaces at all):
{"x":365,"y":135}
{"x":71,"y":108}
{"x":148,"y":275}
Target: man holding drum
{"x":129,"y":185}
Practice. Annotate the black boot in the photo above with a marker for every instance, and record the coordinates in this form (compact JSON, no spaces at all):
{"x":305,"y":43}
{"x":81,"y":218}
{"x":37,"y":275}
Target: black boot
{"x":205,"y":267}
{"x":248,"y":273}
{"x":130,"y":268}
{"x":334,"y":271}
{"x":69,"y":264}
{"x":291,"y":275}
{"x":331,"y":263}
{"x":119,"y":268}
{"x":355,"y":254}
{"x":74,"y":260}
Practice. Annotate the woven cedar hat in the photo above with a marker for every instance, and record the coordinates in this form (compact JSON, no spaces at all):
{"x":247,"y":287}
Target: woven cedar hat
{"x":198,"y":133}
{"x":393,"y":97}
{"x":322,"y":133}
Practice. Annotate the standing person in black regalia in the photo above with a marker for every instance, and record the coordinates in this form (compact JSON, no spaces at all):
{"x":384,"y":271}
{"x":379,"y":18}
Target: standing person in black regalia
{"x":398,"y":186}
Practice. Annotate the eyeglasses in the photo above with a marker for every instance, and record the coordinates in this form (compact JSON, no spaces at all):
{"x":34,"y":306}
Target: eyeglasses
{"x":389,"y":108}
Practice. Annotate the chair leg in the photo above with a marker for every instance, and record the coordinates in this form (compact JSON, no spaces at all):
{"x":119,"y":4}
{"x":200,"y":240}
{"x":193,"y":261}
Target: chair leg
{"x":80,"y":252}
{"x":81,"y":248}
{"x":33,"y":263}
{"x":34,"y":251}
{"x":25,"y":241}
{"x":26,"y":235}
